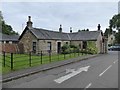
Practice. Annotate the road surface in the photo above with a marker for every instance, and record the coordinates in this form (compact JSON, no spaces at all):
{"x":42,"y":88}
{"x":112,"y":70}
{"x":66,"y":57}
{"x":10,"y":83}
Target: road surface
{"x":97,"y":72}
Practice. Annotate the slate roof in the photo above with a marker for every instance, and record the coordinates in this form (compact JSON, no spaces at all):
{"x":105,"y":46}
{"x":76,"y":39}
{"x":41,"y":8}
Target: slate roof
{"x":54,"y":35}
{"x":47,"y":34}
{"x":5,"y":37}
{"x":85,"y":35}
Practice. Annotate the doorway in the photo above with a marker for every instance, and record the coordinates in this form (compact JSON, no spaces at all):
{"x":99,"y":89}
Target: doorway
{"x":84,"y":44}
{"x":58,"y":47}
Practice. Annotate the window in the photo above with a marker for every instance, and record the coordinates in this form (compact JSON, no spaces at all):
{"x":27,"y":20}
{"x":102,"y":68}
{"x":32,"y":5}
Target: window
{"x":67,"y":43}
{"x":34,"y":47}
{"x":49,"y":47}
{"x":7,"y":41}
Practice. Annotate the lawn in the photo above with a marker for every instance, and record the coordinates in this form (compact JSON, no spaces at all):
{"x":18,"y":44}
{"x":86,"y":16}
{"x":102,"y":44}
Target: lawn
{"x":22,"y":61}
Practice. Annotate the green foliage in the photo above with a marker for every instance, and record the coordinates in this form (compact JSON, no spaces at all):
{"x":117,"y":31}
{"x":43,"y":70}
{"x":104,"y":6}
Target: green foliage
{"x":73,"y":46}
{"x":1,"y":19}
{"x":66,"y":49}
{"x":109,"y":45}
{"x":115,"y":23}
{"x":83,"y":30}
{"x":87,"y":29}
{"x":91,"y":47}
{"x":79,"y":30}
{"x":6,"y":29}
{"x":107,"y":32}
{"x":117,"y":37}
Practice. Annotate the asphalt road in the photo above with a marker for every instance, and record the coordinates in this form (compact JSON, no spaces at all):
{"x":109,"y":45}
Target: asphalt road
{"x":100,"y":72}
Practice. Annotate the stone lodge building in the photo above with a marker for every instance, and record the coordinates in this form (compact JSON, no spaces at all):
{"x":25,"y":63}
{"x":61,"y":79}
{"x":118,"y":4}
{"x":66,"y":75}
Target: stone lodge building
{"x":37,"y":39}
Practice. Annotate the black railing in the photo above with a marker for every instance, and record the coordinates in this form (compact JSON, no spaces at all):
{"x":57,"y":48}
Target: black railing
{"x":15,"y":61}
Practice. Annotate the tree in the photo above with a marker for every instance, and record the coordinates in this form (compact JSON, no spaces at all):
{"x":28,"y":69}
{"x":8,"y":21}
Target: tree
{"x":79,"y":30}
{"x":1,"y":20}
{"x":117,"y":37}
{"x":83,"y":30}
{"x":4,"y":28}
{"x":115,"y":24}
{"x":108,"y":31}
{"x":87,"y":29}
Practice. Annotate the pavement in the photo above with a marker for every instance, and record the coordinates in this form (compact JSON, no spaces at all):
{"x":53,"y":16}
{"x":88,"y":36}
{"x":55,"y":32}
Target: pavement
{"x":33,"y":70}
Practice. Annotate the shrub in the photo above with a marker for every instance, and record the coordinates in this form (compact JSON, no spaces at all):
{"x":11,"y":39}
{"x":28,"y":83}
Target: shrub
{"x":92,"y":49}
{"x":66,"y":49}
{"x":73,"y":46}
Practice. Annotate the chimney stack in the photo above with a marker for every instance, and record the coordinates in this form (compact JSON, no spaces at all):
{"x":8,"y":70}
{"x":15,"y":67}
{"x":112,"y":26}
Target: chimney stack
{"x":29,"y":23}
{"x":60,"y":29}
{"x":99,"y":27}
{"x":70,"y":29}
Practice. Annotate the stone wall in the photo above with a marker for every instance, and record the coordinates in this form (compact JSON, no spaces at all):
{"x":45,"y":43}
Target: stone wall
{"x":43,"y":45}
{"x":77,"y":43}
{"x":111,"y":39}
{"x":27,"y":41}
{"x":99,"y":44}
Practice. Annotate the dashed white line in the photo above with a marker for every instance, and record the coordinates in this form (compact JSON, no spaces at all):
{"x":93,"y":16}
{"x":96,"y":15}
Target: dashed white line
{"x":115,"y":61}
{"x":105,"y":70}
{"x":88,"y":85}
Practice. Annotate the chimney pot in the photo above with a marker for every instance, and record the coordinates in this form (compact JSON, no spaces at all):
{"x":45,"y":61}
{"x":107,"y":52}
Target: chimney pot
{"x":29,"y":23}
{"x":60,"y":29}
{"x":99,"y":26}
{"x":29,"y":18}
{"x":70,"y":29}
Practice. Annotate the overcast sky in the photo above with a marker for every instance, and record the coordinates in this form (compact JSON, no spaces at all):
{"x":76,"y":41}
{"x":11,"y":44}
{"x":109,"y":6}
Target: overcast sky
{"x":49,"y":15}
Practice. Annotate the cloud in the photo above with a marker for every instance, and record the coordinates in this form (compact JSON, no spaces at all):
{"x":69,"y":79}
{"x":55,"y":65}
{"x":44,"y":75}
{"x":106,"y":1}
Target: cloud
{"x":50,"y":15}
{"x":60,"y":0}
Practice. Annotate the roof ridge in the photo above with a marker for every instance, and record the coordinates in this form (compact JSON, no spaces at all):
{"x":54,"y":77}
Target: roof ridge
{"x":45,"y":30}
{"x":50,"y":30}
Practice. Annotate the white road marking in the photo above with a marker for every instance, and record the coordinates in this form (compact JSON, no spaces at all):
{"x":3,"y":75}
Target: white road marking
{"x":105,"y":70}
{"x":88,"y":85}
{"x":70,"y":70}
{"x":115,"y":61}
{"x":66,"y":77}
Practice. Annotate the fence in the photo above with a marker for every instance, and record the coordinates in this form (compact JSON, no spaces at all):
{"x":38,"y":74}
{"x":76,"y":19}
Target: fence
{"x":14,"y":61}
